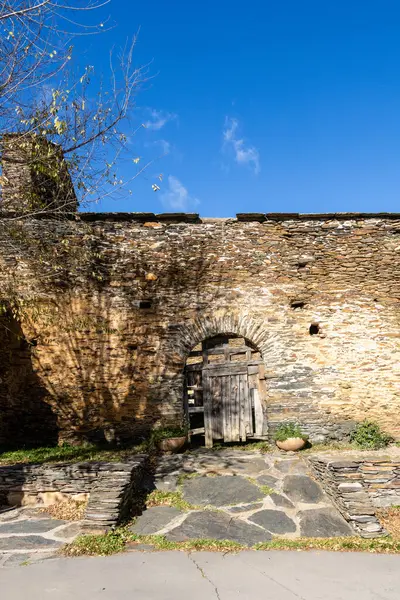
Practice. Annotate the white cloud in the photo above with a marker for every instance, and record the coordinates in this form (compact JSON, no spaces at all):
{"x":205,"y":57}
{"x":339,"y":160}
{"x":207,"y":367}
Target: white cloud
{"x":243,"y":154}
{"x":164,"y":145}
{"x":158,"y":118}
{"x":161,"y":146}
{"x":177,"y":196}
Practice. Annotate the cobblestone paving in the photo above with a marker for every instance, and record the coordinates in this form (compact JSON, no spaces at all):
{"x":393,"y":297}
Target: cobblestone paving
{"x":244,"y":497}
{"x":28,"y":535}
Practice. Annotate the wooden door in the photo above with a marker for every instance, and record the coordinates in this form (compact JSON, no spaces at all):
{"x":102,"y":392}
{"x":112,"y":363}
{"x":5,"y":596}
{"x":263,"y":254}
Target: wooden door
{"x":227,"y":413}
{"x":226,"y":383}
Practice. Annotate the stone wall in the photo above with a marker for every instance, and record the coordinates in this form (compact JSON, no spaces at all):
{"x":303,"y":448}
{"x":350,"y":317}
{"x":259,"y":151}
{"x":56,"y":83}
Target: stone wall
{"x":359,"y":484}
{"x":35,"y":177}
{"x":110,"y":488}
{"x":101,"y":312}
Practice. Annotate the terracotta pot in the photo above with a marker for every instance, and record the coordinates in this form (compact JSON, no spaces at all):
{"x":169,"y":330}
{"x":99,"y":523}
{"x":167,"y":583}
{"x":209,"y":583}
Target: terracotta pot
{"x":292,"y":444}
{"x":173,"y":444}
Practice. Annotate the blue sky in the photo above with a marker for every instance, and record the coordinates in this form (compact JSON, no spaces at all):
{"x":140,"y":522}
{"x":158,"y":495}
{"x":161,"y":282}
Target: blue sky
{"x":265,"y":106}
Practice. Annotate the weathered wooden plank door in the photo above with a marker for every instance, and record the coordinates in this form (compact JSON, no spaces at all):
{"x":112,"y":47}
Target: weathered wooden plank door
{"x":227,"y":406}
{"x":226,"y":385}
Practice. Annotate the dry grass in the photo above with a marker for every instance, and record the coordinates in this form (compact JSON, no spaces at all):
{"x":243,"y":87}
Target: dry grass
{"x":97,"y":545}
{"x":67,"y":510}
{"x":122,"y":538}
{"x":390,"y":519}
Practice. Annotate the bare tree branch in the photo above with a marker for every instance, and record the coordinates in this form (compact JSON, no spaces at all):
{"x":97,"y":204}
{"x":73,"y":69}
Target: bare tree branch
{"x":44,"y":96}
{"x":23,"y":11}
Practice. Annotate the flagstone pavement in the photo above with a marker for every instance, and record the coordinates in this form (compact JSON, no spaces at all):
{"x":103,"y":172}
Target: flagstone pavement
{"x":232,"y":495}
{"x":244,"y":497}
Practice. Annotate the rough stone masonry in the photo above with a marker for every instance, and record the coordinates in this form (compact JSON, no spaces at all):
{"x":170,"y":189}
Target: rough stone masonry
{"x":100,"y":311}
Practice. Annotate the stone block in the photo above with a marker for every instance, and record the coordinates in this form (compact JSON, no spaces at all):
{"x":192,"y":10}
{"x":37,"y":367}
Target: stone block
{"x":218,"y":526}
{"x":155,"y":519}
{"x":350,"y":487}
{"x":323,"y":522}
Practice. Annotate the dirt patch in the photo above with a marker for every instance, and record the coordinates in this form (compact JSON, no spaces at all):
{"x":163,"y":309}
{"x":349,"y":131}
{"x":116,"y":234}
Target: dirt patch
{"x":390,"y":519}
{"x":67,"y":510}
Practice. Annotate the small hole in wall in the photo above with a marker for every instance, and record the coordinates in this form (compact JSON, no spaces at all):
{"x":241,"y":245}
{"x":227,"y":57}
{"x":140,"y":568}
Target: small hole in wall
{"x":314,"y":329}
{"x":297,"y":304}
{"x":301,"y":265}
{"x":145,"y":304}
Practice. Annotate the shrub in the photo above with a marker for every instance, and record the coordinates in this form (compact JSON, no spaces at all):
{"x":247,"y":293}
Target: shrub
{"x":289,"y":430}
{"x":369,"y":436}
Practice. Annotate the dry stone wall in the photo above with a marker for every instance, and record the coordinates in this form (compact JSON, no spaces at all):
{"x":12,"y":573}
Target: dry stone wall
{"x":100,"y":313}
{"x":110,"y":488}
{"x":360,"y":484}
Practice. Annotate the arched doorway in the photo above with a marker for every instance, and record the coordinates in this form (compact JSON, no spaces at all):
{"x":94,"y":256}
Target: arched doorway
{"x":225,"y":390}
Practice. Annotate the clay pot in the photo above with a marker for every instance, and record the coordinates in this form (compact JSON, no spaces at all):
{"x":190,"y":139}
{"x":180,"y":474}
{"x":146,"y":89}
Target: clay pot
{"x":173,"y":444}
{"x":291,"y":444}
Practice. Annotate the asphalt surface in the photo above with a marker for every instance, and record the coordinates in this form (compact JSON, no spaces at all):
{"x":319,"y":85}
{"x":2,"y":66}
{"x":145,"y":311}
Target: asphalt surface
{"x":208,"y":576}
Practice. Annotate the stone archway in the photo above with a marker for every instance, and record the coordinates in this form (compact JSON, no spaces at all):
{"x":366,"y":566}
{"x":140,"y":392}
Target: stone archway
{"x":225,"y":392}
{"x":232,"y":381}
{"x":237,"y":323}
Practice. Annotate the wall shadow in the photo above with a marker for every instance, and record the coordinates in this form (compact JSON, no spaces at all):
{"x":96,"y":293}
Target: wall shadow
{"x":99,"y":369}
{"x":22,"y":392}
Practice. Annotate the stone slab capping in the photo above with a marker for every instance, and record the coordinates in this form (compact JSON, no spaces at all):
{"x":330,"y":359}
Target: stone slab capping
{"x":359,"y":486}
{"x":13,"y":208}
{"x":110,"y":488}
{"x":240,"y":217}
{"x":169,"y":218}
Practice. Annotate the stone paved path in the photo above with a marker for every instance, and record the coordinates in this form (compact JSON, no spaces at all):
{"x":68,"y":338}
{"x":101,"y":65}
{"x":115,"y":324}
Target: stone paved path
{"x":28,"y":535}
{"x":244,"y":497}
{"x":240,"y":496}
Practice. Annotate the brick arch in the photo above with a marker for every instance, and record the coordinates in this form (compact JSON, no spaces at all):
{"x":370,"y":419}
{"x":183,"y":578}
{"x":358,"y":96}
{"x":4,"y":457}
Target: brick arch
{"x":241,"y":324}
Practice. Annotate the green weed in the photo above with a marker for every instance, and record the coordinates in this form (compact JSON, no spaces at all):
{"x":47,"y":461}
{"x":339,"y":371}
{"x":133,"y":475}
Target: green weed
{"x":67,"y":453}
{"x":162,"y":498}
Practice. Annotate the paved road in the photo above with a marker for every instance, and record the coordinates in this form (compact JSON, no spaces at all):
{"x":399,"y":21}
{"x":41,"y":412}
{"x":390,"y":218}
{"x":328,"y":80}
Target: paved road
{"x":208,"y":576}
